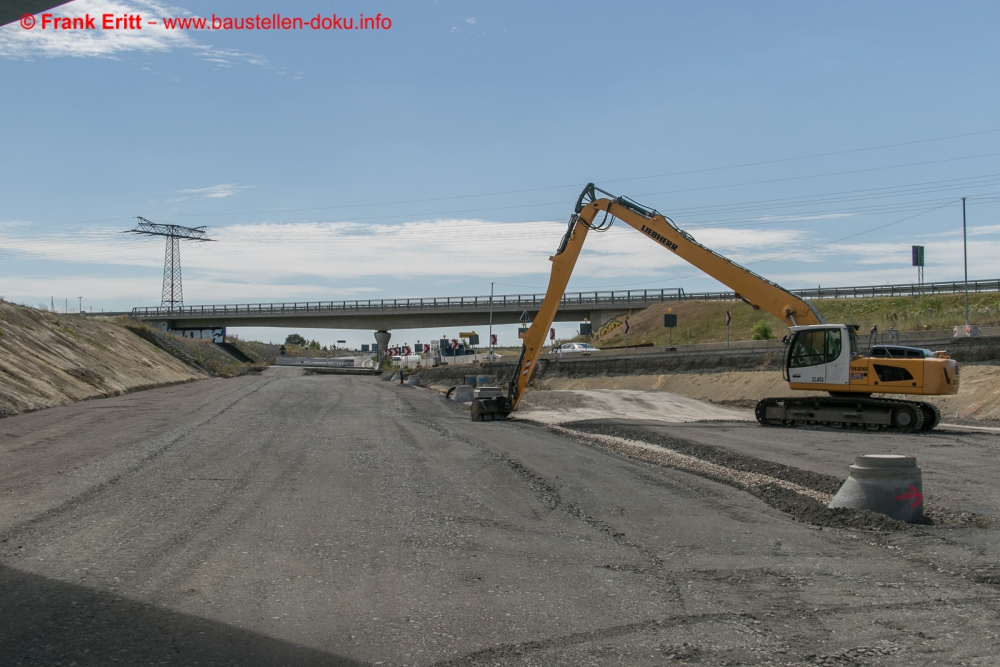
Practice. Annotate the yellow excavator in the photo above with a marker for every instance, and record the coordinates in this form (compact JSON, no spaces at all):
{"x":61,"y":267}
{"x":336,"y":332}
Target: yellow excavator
{"x":818,"y":356}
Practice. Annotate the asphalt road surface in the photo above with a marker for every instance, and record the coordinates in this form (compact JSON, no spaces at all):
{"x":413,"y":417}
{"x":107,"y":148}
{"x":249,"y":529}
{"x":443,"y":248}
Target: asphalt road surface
{"x":286,"y":519}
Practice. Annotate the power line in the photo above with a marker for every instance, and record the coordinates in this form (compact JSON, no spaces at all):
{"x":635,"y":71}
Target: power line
{"x":618,"y":180}
{"x":650,"y":194}
{"x":802,"y":250}
{"x":951,"y":183}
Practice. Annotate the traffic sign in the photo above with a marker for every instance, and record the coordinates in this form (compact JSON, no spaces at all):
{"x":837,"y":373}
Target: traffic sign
{"x":729,"y":318}
{"x":552,"y":334}
{"x":626,"y":325}
{"x":493,"y":339}
{"x":407,"y":351}
{"x":454,"y":344}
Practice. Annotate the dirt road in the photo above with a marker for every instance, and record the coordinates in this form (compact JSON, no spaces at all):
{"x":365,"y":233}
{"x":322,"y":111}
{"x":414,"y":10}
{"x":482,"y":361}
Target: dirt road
{"x":287,"y":519}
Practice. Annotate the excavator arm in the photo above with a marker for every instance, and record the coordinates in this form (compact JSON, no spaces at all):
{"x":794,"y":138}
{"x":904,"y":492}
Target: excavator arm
{"x":750,"y":287}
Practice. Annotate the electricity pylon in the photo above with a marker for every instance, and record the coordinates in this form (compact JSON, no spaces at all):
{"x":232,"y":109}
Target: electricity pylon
{"x":173,"y":294}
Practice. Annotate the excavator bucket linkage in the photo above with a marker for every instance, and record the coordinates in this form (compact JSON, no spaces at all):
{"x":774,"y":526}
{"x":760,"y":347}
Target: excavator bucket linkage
{"x":495,"y":408}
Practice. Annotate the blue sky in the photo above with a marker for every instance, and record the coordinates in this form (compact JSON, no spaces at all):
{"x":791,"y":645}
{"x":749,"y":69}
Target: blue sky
{"x":446,"y":153}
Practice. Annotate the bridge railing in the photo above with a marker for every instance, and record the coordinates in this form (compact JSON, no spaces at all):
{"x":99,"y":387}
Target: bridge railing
{"x":595,"y":300}
{"x":499,"y":301}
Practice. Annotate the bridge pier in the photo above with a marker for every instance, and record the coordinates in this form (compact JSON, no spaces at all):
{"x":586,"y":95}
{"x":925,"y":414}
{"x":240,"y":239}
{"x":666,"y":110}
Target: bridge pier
{"x":598,"y":318}
{"x":382,"y":343}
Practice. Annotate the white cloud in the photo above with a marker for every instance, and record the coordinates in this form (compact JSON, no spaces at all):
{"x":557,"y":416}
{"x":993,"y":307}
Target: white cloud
{"x":471,"y":20}
{"x":345,"y":260}
{"x":320,"y":253}
{"x":17,"y":42}
{"x":217,"y":191}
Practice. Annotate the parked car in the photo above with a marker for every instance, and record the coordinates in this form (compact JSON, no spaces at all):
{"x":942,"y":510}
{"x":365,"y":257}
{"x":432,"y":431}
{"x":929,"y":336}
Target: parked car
{"x":585,"y":348}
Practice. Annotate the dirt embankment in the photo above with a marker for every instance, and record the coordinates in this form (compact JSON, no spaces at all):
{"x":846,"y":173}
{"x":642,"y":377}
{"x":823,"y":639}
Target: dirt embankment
{"x":229,"y":359}
{"x":705,"y":321}
{"x":737,"y":378}
{"x":48,"y":360}
{"x":551,"y":366}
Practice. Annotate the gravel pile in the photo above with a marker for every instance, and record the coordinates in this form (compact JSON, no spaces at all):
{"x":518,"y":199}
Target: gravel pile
{"x":827,"y":484}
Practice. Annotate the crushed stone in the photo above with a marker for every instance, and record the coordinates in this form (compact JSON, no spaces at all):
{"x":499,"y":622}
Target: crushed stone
{"x":799,"y":501}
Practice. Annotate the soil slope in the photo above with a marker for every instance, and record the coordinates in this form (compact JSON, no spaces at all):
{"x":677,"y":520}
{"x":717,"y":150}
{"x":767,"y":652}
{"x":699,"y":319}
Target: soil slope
{"x":705,"y":321}
{"x":48,"y":359}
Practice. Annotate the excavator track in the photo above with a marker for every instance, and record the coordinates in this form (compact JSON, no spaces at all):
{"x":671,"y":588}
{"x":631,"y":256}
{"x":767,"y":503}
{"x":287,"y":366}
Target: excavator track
{"x":873,"y":414}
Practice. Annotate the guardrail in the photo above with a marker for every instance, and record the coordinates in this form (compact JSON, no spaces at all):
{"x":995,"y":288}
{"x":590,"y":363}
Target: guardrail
{"x":911,"y":289}
{"x":594,"y":300}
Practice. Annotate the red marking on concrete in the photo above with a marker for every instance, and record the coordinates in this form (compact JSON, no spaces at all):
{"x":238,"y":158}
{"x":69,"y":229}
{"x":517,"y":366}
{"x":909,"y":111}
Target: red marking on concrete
{"x":912,"y":494}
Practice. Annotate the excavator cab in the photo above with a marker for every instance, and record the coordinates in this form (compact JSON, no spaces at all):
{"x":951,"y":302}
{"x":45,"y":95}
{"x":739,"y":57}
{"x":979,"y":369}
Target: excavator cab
{"x":821,"y":355}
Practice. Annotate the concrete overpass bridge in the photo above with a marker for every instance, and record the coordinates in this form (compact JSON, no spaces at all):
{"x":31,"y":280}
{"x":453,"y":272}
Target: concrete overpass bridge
{"x":423,"y":313}
{"x":415,"y":313}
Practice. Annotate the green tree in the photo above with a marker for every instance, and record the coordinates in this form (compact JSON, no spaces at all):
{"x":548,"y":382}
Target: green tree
{"x":762,"y":331}
{"x":296,"y":339}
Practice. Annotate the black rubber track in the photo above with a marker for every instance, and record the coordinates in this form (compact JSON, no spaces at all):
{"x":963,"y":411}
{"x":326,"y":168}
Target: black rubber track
{"x":928,"y":414}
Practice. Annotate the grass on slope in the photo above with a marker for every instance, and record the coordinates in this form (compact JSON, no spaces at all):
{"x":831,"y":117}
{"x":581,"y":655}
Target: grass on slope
{"x":705,"y":321}
{"x":196,"y":352}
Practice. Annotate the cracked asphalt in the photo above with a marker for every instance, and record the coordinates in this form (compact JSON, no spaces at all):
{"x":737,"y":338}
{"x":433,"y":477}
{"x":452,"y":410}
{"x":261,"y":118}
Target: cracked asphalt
{"x":286,"y":519}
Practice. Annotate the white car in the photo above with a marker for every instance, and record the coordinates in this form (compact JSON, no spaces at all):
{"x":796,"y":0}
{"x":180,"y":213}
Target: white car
{"x":585,"y":348}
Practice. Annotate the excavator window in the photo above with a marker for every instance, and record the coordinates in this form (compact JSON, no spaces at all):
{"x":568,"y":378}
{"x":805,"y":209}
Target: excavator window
{"x":808,"y":348}
{"x":834,"y":345}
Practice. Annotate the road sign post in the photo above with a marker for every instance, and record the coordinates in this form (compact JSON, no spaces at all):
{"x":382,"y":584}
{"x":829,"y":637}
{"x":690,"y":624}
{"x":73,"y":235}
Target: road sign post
{"x":670,"y":322}
{"x":918,"y":261}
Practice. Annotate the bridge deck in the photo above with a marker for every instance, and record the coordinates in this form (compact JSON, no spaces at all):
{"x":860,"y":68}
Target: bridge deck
{"x":506,"y":308}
